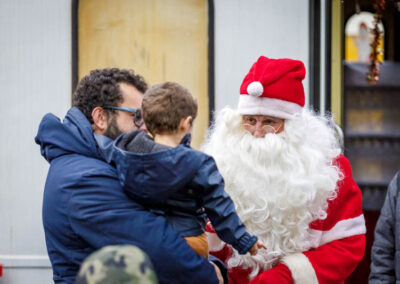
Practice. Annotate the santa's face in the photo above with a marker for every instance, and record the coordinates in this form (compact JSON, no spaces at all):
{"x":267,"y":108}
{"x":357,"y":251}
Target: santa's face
{"x":260,"y":125}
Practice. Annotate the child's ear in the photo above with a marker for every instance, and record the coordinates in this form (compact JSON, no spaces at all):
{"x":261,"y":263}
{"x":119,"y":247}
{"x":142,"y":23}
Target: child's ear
{"x":186,"y":123}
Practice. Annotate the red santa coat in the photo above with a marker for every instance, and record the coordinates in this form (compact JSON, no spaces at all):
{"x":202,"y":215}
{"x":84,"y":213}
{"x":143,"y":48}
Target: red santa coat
{"x":338,"y":243}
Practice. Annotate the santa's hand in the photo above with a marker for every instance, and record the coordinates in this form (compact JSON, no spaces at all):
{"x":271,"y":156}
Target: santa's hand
{"x":256,"y":246}
{"x":280,"y":274}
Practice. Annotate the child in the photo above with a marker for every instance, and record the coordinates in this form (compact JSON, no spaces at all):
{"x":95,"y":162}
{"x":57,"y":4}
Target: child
{"x":172,"y":179}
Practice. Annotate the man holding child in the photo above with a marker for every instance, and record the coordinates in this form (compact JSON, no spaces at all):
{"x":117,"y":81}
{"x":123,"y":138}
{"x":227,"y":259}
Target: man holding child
{"x":84,"y":205}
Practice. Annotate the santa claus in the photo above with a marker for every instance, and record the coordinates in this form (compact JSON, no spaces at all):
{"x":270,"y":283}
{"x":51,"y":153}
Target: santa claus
{"x":292,"y":187}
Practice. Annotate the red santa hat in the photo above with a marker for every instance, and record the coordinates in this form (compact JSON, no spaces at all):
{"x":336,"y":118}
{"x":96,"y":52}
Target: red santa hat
{"x":273,"y":87}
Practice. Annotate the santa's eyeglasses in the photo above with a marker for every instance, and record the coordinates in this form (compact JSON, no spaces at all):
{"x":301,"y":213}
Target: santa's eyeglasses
{"x":266,"y":128}
{"x":268,"y":124}
{"x":137,"y":118}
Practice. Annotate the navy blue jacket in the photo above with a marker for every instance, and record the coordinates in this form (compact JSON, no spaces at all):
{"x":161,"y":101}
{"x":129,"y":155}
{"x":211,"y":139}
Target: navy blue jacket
{"x":180,"y":183}
{"x":85,"y":208}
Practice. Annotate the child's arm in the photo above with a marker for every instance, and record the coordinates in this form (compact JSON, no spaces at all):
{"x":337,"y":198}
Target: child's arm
{"x":221,"y":209}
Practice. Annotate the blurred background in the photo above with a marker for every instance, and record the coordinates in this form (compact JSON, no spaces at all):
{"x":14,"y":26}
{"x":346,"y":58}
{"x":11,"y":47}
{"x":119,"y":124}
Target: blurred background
{"x":46,"y":46}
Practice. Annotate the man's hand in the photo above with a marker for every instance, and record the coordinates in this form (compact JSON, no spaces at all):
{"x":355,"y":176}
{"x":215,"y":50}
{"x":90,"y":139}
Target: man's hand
{"x":218,"y":272}
{"x":256,"y":246}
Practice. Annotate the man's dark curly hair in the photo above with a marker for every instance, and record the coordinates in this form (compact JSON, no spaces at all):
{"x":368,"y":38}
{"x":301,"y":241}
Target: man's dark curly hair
{"x":101,"y":88}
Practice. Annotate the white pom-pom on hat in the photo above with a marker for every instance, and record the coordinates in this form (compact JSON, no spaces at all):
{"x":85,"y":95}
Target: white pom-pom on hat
{"x":255,"y":89}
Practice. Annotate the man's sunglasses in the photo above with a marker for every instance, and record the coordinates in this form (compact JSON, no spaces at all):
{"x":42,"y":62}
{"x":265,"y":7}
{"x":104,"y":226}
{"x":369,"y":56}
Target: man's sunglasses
{"x":137,"y":119}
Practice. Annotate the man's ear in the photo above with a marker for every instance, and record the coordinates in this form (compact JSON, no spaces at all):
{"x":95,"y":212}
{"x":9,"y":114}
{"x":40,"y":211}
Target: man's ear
{"x":186,"y":123}
{"x":100,"y":121}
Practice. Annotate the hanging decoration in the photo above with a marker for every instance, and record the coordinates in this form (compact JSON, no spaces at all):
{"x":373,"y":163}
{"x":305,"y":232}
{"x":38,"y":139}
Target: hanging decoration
{"x":357,"y":7}
{"x":373,"y":73}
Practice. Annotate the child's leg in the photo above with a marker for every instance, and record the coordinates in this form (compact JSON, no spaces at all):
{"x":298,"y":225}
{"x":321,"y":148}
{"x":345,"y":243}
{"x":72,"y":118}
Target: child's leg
{"x":199,"y":244}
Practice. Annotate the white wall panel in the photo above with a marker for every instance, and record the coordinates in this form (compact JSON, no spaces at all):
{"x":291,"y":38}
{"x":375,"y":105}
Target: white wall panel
{"x":246,"y":29}
{"x":35,"y":78}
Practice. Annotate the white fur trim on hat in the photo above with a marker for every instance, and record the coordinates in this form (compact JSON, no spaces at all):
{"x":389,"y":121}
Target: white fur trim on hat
{"x":301,"y":269}
{"x":255,"y":89}
{"x":252,"y":105}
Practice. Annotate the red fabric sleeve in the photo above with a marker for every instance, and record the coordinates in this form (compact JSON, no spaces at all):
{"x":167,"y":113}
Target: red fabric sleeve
{"x":280,"y":274}
{"x":347,"y":204}
{"x":334,"y":261}
{"x":223,"y":254}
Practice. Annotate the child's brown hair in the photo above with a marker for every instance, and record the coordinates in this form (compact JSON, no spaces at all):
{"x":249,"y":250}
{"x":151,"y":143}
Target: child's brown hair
{"x":164,"y":105}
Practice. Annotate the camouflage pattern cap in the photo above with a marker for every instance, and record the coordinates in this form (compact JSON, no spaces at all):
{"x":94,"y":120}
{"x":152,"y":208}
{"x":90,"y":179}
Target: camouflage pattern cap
{"x":124,"y":264}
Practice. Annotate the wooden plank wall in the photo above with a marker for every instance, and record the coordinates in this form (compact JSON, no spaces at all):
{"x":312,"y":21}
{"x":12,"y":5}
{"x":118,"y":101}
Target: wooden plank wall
{"x":163,"y":40}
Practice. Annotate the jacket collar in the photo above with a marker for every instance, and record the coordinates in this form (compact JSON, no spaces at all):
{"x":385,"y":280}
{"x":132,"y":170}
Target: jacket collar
{"x":186,"y":140}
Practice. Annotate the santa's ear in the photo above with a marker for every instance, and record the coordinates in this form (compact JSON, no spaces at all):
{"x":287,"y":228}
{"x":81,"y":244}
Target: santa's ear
{"x":100,"y":121}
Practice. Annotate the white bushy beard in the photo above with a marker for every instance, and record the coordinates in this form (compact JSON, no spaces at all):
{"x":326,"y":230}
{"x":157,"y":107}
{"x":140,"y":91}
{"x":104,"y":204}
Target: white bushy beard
{"x":279,"y":183}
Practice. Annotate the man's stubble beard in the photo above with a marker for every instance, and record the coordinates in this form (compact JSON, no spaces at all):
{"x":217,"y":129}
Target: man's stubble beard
{"x":112,"y":131}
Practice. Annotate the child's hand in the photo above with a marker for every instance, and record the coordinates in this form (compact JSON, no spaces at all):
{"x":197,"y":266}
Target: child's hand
{"x":256,"y":246}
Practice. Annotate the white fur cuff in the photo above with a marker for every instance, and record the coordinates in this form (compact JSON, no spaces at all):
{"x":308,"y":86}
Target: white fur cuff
{"x":301,"y":269}
{"x":214,"y":242}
